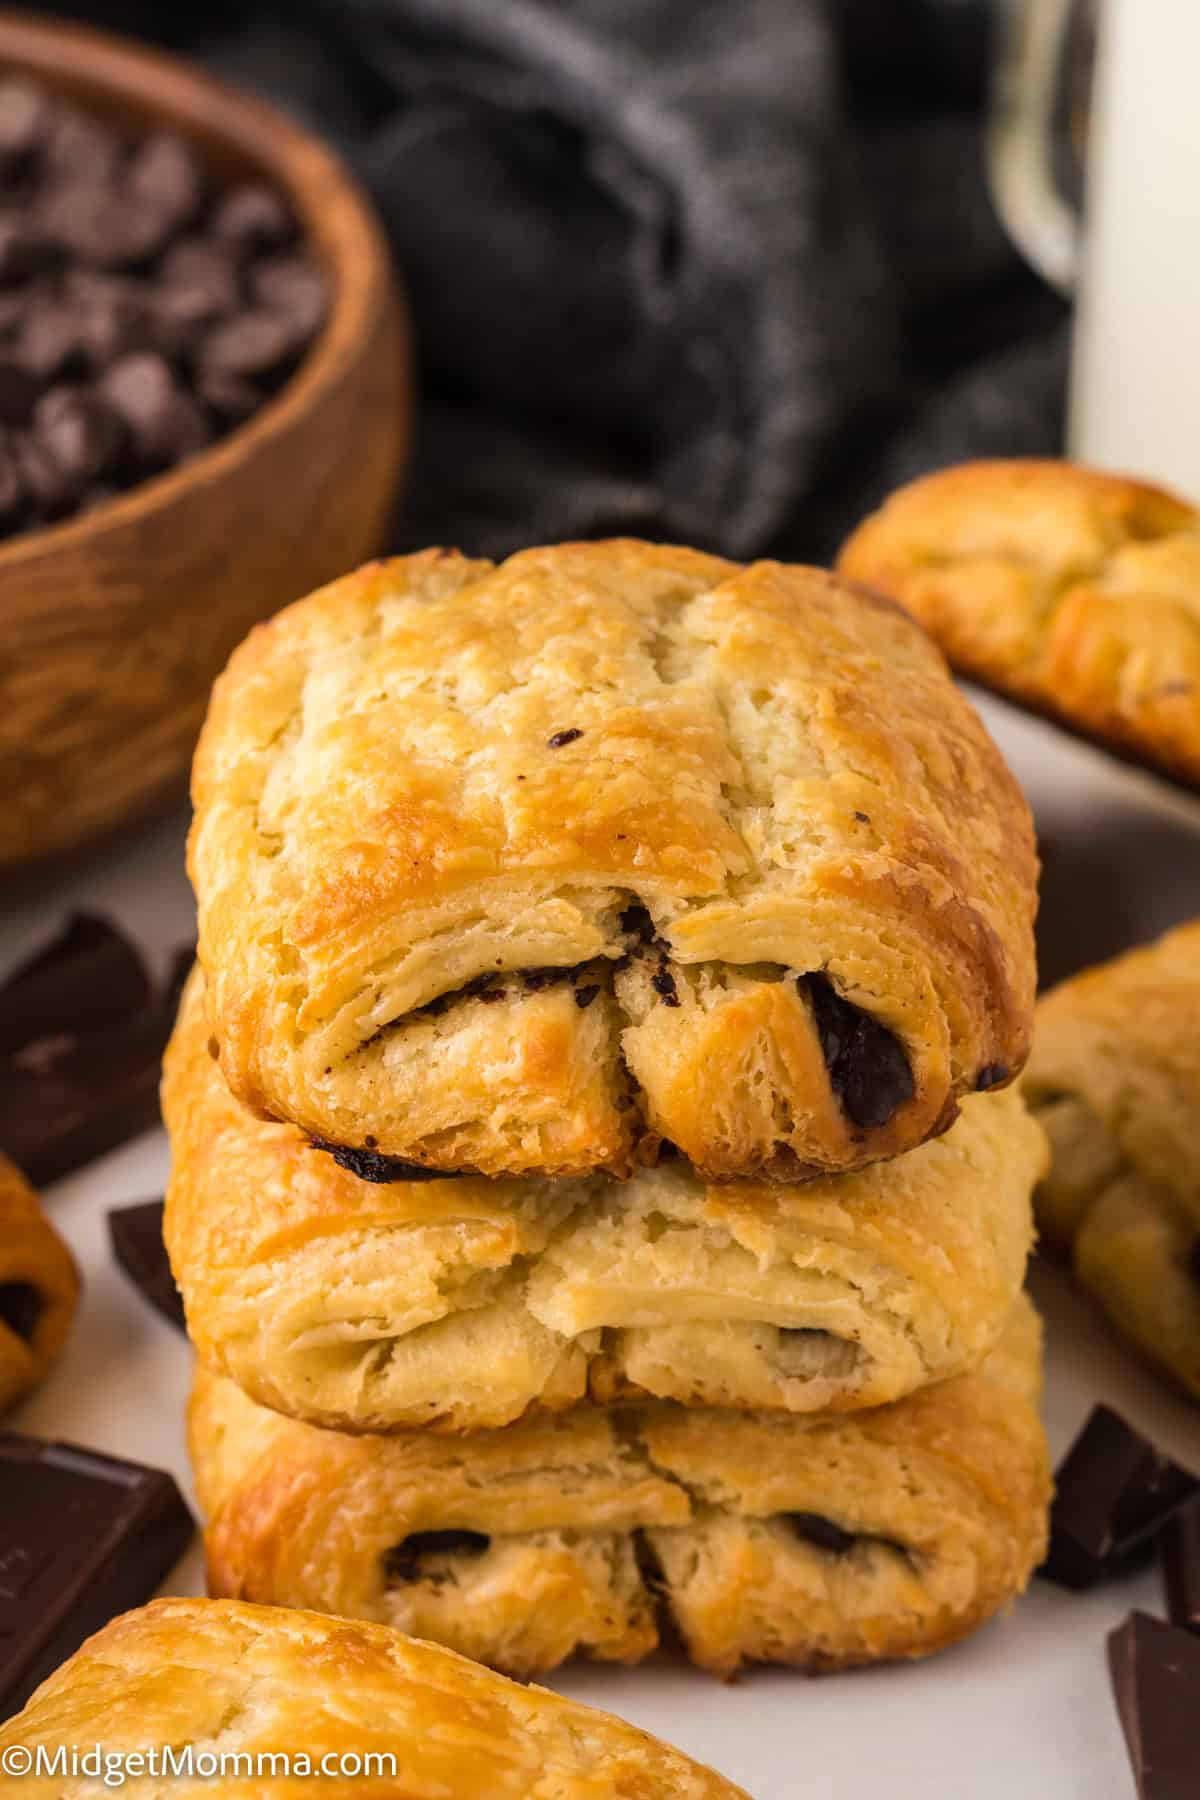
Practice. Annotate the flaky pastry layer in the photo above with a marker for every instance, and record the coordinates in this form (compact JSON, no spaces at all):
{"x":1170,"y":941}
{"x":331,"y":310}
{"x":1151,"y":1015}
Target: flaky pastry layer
{"x":1073,"y":591}
{"x":231,"y":1682}
{"x":524,"y":869}
{"x":821,"y":1541}
{"x":462,"y":1303}
{"x":1115,"y":1079}
{"x":39,"y":1289}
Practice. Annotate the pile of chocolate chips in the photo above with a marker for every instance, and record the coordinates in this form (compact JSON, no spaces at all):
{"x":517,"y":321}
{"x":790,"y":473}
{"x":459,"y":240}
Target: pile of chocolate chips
{"x":144,"y":311}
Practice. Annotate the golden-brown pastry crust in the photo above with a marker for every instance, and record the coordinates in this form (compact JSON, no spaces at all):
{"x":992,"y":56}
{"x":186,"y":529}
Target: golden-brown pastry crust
{"x":1115,"y":1079}
{"x":1073,"y":591}
{"x":217,"y":1678}
{"x":39,"y":1288}
{"x":523,"y":869}
{"x":460,"y":1303}
{"x":821,"y":1541}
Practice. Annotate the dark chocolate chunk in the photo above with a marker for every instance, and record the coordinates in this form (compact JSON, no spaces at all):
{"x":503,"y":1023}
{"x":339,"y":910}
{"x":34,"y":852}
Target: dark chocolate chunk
{"x":586,"y":994}
{"x":50,"y":342}
{"x":21,"y":1306}
{"x":561,"y":738}
{"x":1114,"y":1494}
{"x":229,"y":397}
{"x":990,"y":1076}
{"x":371,"y":1165}
{"x":405,"y":1562}
{"x":1155,"y":1672}
{"x":868,"y":1069}
{"x":200,"y":280}
{"x":88,"y":976}
{"x":82,"y":1033}
{"x":482,"y":987}
{"x":135,"y":1233}
{"x":103,"y":227}
{"x":79,"y":147}
{"x":637,"y":924}
{"x":254,"y":217}
{"x":815,"y":1529}
{"x":82,"y":1538}
{"x":1179,"y":1549}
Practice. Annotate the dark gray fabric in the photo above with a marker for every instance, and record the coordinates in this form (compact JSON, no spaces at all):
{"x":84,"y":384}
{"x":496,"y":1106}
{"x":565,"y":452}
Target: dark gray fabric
{"x":714,"y":270}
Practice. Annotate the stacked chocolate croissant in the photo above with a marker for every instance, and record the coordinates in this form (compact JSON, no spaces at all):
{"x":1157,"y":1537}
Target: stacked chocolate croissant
{"x":595,"y":1197}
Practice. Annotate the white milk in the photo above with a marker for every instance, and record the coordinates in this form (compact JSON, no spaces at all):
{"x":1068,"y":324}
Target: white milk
{"x":1135,"y":399}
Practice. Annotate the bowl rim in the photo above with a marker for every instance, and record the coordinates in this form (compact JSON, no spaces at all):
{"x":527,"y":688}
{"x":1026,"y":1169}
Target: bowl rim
{"x":334,"y":211}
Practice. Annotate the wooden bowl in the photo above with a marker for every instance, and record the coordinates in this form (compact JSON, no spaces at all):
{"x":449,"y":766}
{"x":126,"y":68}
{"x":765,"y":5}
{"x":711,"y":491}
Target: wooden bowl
{"x":113,"y":625}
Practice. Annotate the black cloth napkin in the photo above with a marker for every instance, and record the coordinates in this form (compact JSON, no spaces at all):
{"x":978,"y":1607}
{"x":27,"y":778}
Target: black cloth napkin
{"x":721,"y":271}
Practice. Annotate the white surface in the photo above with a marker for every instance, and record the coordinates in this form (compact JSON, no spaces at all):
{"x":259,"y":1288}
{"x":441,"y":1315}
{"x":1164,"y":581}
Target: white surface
{"x":1023,"y":1709}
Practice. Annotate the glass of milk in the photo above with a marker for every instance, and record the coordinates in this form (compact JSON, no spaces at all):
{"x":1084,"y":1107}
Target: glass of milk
{"x":1111,"y":84}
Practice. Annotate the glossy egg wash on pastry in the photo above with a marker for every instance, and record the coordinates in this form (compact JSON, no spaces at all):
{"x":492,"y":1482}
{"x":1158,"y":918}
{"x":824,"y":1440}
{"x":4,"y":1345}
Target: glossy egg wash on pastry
{"x":531,"y":868}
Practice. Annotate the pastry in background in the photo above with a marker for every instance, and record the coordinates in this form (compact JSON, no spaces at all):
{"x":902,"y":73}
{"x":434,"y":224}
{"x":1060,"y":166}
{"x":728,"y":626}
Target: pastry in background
{"x":1069,"y":590}
{"x":1115,"y":1079}
{"x":823,"y":1541}
{"x":525,"y":869}
{"x":211,"y":1678}
{"x":461,"y":1303}
{"x":39,"y":1288}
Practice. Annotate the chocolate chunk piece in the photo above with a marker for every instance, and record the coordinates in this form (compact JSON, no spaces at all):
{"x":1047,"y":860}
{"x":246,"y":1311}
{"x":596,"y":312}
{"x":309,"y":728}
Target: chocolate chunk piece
{"x":21,"y":1306}
{"x":99,"y":225}
{"x":82,"y":1033}
{"x":1179,"y":1549}
{"x":821,"y":1532}
{"x":585,"y":994}
{"x":868,"y":1069}
{"x":663,"y":983}
{"x":535,"y":980}
{"x":253,"y":217}
{"x":1114,"y":1494}
{"x":370,"y":1165}
{"x":1155,"y":1672}
{"x":200,"y":280}
{"x":82,"y":1538}
{"x":405,"y":1562}
{"x":80,"y":147}
{"x":231,"y":398}
{"x":135,"y":1233}
{"x":562,"y":738}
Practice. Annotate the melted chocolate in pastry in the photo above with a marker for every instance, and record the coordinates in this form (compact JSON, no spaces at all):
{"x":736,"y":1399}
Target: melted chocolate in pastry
{"x":372,"y":1165}
{"x":825,"y":1534}
{"x":990,"y":1076}
{"x":21,"y":1306}
{"x":403,"y":1562}
{"x":867,"y":1067}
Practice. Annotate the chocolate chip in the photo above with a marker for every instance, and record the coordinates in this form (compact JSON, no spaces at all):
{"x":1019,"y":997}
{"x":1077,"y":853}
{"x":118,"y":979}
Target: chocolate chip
{"x":48,"y":487}
{"x":868,"y":1069}
{"x":663,"y":983}
{"x":19,"y":390}
{"x":230,"y":398}
{"x":21,"y":1306}
{"x":294,"y":287}
{"x":102,"y":227}
{"x":135,"y":1236}
{"x":253,"y":217}
{"x":165,"y":424}
{"x":563,"y":737}
{"x":251,"y":344}
{"x":991,"y":1075}
{"x":403,"y":1562}
{"x":586,"y":994}
{"x":815,"y":1529}
{"x":199,"y":281}
{"x":164,"y":173}
{"x":370,"y":1165}
{"x":80,"y":147}
{"x":82,"y":433}
{"x":1114,"y":1494}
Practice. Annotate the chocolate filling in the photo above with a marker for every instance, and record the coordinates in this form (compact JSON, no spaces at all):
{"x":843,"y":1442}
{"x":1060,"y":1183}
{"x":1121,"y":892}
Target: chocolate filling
{"x":825,"y":1534}
{"x":403,"y":1562}
{"x":21,"y":1306}
{"x":867,"y":1067}
{"x":372,"y":1165}
{"x":991,"y":1075}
